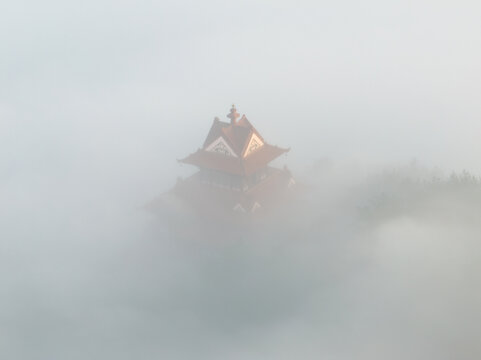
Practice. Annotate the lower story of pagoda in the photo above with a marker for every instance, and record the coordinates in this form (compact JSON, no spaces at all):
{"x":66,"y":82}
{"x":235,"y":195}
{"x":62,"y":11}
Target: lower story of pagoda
{"x":215,"y":195}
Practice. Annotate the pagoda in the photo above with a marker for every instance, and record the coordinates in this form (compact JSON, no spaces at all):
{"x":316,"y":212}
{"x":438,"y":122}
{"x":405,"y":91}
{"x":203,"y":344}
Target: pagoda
{"x":234,"y":178}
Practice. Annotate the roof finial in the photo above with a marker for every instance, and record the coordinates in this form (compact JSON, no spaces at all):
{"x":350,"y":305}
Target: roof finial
{"x":233,"y":115}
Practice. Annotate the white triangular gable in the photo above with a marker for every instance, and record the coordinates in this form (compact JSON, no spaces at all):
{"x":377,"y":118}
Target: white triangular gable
{"x":220,"y":146}
{"x":255,"y":206}
{"x":239,"y":208}
{"x":254,"y":143}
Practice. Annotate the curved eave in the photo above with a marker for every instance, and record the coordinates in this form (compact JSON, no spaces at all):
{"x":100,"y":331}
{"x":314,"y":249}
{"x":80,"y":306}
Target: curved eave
{"x":234,"y":165}
{"x":214,"y":161}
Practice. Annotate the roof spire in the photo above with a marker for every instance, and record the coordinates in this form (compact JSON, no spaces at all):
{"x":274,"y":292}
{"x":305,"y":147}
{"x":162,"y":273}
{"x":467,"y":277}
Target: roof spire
{"x":233,"y":115}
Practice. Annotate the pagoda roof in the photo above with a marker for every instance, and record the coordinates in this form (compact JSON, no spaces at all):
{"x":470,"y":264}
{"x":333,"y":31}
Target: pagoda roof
{"x":235,"y":165}
{"x":236,"y":133}
{"x":235,"y":137}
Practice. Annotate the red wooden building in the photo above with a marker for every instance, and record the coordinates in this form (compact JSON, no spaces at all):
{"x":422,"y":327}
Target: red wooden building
{"x":234,"y":178}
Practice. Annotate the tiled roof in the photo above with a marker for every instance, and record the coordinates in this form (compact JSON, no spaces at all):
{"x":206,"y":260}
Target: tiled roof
{"x":236,"y":134}
{"x":215,"y":131}
{"x":235,"y":165}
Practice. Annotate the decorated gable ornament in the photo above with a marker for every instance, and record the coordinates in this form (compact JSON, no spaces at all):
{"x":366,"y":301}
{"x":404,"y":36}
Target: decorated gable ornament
{"x":220,"y":146}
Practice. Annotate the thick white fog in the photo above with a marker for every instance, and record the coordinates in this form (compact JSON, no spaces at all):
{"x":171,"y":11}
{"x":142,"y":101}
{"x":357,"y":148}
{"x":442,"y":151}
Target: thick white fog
{"x":379,"y":103}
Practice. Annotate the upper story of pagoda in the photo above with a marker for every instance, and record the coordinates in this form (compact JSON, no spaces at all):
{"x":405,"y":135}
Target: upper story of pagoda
{"x":234,"y":147}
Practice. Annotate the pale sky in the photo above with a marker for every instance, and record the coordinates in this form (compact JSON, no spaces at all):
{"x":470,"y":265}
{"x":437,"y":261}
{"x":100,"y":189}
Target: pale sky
{"x":376,"y":81}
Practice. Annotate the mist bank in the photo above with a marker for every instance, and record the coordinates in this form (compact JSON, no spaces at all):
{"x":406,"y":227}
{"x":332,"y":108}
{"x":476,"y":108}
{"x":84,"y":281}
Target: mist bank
{"x":378,"y":263}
